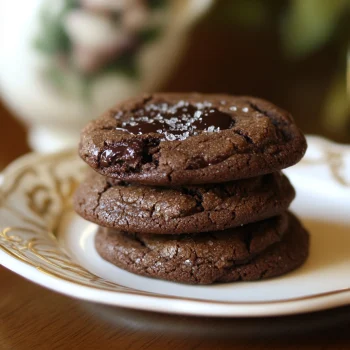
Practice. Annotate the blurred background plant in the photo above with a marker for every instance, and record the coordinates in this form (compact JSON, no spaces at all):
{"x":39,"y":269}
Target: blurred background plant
{"x":90,"y":37}
{"x":64,"y":62}
{"x":292,"y":52}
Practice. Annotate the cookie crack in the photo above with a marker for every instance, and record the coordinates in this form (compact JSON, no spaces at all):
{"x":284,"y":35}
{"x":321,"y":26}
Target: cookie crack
{"x":152,"y":210}
{"x":210,"y":219}
{"x":99,"y":195}
{"x":196,"y":195}
{"x":246,"y":137}
{"x":263,"y":274}
{"x":247,"y":239}
{"x":258,"y":109}
{"x":224,"y":191}
{"x":139,"y":239}
{"x":169,"y":176}
{"x":277,"y":122}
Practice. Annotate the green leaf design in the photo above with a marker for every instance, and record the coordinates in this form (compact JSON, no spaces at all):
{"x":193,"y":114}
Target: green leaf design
{"x":125,"y":64}
{"x":149,"y":34}
{"x":52,"y":38}
{"x":53,"y":41}
{"x":156,"y":4}
{"x":55,"y":75}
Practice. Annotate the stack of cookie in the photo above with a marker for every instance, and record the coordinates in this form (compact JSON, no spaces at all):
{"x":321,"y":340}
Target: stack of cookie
{"x":188,"y":188}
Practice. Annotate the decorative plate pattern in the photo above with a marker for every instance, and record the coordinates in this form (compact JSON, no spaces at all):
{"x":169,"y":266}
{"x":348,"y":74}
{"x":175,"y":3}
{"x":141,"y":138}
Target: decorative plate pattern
{"x":36,"y":194}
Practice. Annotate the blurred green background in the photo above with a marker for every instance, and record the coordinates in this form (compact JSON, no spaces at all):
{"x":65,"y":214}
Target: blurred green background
{"x":292,"y":52}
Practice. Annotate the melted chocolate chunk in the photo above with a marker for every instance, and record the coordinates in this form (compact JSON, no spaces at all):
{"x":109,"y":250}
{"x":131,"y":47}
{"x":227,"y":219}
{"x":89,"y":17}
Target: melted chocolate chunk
{"x":122,"y":151}
{"x":133,"y":153}
{"x":177,"y":122}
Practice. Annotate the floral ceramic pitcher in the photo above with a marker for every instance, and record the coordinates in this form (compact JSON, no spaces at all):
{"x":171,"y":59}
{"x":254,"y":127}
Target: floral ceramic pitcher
{"x":63,"y":62}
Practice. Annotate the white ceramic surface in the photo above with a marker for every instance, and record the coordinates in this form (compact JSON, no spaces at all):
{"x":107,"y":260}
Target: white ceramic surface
{"x":44,"y":241}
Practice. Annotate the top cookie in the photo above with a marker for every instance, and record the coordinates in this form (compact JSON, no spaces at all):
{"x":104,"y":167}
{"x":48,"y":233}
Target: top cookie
{"x":190,"y":138}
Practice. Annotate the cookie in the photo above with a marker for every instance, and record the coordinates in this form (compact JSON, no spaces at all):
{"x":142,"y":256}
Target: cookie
{"x":212,"y":250}
{"x":252,"y":252}
{"x":183,"y":209}
{"x":281,"y":258}
{"x":171,"y":139}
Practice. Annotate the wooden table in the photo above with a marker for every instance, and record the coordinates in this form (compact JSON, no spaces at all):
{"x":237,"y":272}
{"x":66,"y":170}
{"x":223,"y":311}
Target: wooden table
{"x":32,"y":317}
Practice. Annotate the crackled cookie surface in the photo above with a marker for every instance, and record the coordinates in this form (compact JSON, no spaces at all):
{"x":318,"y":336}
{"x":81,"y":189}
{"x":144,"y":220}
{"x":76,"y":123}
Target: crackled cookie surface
{"x":182,"y":209}
{"x":171,"y":139}
{"x":255,"y":251}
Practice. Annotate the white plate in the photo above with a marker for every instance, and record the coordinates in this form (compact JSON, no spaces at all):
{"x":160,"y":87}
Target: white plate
{"x":43,"y":240}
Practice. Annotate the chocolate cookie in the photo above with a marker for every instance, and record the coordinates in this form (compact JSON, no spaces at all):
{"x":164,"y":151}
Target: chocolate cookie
{"x":168,"y":139}
{"x":183,"y":209}
{"x":211,"y":257}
